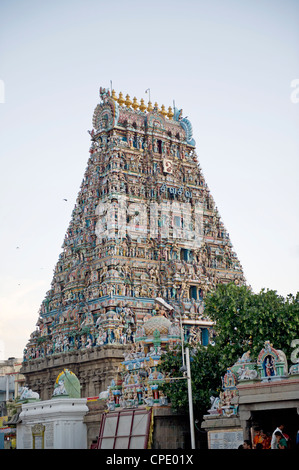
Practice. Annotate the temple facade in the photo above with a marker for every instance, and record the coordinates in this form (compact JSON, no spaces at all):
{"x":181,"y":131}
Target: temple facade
{"x":145,"y":239}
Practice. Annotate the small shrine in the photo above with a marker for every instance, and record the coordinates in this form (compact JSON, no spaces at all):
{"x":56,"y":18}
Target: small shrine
{"x":138,"y":381}
{"x":247,"y":391}
{"x":272,"y":363}
{"x":57,"y":423}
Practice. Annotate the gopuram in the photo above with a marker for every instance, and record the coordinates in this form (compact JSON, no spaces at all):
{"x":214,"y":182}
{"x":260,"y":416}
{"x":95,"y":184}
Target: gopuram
{"x":144,"y":233}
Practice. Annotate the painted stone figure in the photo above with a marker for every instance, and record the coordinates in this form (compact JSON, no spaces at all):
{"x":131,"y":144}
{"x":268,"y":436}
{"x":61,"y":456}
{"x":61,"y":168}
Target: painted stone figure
{"x":144,"y":226}
{"x":272,"y":363}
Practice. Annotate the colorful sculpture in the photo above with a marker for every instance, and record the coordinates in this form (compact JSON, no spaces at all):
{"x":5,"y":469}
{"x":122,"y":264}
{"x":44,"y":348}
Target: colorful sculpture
{"x":144,"y":226}
{"x":245,"y":368}
{"x":229,"y":392}
{"x":272,"y":363}
{"x":67,"y":385}
{"x":27,"y":395}
{"x":139,"y":382}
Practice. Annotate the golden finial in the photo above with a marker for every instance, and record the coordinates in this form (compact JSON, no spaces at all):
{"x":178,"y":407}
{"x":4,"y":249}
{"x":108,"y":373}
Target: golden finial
{"x":156,"y":107}
{"x":142,"y":106}
{"x":113,"y":95}
{"x":135,"y":104}
{"x":121,"y":99}
{"x":149,"y":106}
{"x":163,"y":111}
{"x":128,"y":102}
{"x":170,"y":113}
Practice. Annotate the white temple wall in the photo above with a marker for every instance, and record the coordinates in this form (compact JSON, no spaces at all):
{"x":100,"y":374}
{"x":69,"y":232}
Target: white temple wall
{"x":53,"y":424}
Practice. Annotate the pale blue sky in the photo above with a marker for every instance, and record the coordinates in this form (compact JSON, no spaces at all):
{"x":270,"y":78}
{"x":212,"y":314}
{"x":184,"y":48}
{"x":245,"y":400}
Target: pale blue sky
{"x":228,"y":64}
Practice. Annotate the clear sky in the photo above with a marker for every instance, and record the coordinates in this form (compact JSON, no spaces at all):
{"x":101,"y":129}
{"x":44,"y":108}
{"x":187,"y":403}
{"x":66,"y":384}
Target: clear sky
{"x":229,"y":64}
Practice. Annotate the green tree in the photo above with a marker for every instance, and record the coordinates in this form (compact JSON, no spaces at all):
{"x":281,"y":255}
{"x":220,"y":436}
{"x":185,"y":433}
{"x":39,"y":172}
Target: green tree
{"x":206,"y":378}
{"x":243,"y":321}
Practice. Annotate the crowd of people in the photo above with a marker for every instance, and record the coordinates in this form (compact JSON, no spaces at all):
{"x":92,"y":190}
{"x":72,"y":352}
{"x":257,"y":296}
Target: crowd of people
{"x":261,"y":440}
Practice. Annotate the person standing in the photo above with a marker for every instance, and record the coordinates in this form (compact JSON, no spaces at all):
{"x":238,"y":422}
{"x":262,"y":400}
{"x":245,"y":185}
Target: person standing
{"x":280,"y":428}
{"x":266,"y":440}
{"x":258,"y":438}
{"x":281,"y":442}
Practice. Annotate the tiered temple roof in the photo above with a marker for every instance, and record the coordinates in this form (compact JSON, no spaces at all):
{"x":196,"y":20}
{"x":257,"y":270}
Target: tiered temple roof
{"x":144,"y":226}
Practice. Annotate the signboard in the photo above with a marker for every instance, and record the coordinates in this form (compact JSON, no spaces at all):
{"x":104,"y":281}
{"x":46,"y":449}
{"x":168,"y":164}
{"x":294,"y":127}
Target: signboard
{"x":38,"y":431}
{"x":38,"y":436}
{"x":3,"y":420}
{"x":126,"y":429}
{"x":230,"y":439}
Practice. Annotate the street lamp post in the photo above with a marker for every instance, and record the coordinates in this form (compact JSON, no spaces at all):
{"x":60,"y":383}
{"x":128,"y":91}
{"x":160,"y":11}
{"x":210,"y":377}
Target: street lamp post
{"x":190,"y":399}
{"x":182,"y":339}
{"x":186,"y":368}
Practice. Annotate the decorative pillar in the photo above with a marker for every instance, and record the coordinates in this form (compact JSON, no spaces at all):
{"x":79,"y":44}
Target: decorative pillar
{"x":245,"y":418}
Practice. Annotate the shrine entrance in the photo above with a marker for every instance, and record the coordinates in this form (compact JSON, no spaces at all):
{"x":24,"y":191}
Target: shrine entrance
{"x":269,"y":420}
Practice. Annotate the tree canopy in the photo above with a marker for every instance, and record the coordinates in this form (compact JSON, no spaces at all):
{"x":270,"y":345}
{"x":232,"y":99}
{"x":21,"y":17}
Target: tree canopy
{"x":243,"y":322}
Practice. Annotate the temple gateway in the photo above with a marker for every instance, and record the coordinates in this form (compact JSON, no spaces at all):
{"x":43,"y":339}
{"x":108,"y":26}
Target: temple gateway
{"x":144,"y":246}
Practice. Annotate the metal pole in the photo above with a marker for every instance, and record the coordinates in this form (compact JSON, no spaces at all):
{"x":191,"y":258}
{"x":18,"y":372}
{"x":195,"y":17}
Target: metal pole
{"x":7,"y":387}
{"x":190,"y":399}
{"x":182,"y":339}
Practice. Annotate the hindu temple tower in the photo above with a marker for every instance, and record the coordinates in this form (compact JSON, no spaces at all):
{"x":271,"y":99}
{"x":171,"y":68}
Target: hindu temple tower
{"x":144,"y":227}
